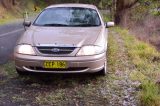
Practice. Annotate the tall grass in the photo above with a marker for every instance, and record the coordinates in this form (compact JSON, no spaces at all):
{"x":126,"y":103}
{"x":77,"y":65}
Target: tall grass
{"x":149,"y":95}
{"x":147,"y":67}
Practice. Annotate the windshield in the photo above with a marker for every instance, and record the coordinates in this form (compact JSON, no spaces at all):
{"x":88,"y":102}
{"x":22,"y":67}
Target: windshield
{"x":68,"y":16}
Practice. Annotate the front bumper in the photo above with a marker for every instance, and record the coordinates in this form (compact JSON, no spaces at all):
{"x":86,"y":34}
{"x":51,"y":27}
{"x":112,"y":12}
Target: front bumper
{"x":79,"y":64}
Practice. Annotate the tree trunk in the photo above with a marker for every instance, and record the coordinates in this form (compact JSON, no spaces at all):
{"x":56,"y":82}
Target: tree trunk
{"x":13,"y":2}
{"x":122,"y":12}
{"x":121,"y":17}
{"x":119,"y":12}
{"x":8,"y":4}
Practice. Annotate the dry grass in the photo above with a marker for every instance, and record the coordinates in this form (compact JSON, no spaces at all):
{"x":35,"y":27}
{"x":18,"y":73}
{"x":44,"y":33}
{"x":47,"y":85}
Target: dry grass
{"x":148,"y":30}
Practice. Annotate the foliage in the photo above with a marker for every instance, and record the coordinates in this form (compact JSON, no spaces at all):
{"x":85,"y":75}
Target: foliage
{"x":146,"y":7}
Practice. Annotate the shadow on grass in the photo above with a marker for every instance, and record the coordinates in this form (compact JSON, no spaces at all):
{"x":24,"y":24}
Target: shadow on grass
{"x":56,"y":81}
{"x":34,"y":81}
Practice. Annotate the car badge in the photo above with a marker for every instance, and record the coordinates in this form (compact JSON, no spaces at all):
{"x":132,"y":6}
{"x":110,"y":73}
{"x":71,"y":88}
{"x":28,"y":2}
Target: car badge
{"x":55,"y":50}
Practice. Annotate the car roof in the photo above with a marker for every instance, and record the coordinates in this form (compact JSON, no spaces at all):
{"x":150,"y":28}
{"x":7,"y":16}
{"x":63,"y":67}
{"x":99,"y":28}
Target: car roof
{"x":73,"y":5}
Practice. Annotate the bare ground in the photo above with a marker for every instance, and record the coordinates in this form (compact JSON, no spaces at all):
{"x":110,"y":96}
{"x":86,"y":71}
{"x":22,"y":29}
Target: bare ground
{"x":116,"y":89}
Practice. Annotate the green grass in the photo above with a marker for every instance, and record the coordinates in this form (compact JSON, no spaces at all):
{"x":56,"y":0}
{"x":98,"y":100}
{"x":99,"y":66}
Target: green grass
{"x":8,"y":69}
{"x":106,"y":18}
{"x":146,"y":60}
{"x":112,"y":53}
{"x":149,"y":95}
{"x":52,"y":98}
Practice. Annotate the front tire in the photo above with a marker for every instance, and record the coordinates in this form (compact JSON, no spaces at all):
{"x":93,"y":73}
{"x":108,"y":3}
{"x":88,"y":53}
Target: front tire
{"x":103,"y":72}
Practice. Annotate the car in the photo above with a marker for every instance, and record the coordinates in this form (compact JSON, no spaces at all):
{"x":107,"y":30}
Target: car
{"x":64,"y":38}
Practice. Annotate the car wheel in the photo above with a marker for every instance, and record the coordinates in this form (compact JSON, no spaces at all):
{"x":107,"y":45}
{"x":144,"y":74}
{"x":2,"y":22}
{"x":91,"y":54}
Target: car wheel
{"x":103,"y":72}
{"x":21,"y":72}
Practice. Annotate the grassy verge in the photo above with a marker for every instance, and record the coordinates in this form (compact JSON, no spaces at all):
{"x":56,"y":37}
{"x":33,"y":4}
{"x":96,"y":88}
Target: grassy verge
{"x":147,"y":64}
{"x":7,"y":19}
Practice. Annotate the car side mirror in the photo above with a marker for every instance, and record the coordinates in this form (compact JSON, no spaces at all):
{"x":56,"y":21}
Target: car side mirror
{"x":27,"y":23}
{"x":109,"y":24}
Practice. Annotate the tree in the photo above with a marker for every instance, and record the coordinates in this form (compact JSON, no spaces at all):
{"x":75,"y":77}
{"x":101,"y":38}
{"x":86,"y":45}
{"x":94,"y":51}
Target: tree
{"x":122,"y":11}
{"x":123,"y":7}
{"x":13,"y":2}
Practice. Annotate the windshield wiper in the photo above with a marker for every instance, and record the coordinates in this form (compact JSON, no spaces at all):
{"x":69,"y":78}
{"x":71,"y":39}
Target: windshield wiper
{"x":87,"y":25}
{"x":65,"y":25}
{"x":55,"y":25}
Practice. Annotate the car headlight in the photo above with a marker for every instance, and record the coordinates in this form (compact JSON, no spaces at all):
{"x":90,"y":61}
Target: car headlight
{"x":25,"y":49}
{"x":90,"y":50}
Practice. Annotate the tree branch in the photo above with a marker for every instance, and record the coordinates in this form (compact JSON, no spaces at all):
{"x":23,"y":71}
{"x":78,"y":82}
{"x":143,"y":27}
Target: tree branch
{"x":132,"y":4}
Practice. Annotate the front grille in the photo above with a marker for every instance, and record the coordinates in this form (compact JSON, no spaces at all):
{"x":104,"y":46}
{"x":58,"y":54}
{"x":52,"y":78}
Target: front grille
{"x":50,"y":69}
{"x":56,"y":50}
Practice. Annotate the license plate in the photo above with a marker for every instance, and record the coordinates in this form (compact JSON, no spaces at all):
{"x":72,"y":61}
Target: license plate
{"x":55,"y":64}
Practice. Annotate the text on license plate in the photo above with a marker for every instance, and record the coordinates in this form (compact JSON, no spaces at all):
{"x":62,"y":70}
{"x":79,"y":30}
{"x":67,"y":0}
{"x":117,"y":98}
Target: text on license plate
{"x":55,"y":64}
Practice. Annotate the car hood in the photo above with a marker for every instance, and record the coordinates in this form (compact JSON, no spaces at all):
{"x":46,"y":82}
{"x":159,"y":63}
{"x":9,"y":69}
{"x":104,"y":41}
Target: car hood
{"x":76,"y":36}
